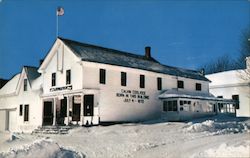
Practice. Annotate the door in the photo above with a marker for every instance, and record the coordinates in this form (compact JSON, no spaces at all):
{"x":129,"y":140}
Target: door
{"x":3,"y":120}
{"x":12,"y":120}
{"x":47,"y":113}
{"x":76,"y":112}
{"x":61,"y":112}
{"x":88,"y":105}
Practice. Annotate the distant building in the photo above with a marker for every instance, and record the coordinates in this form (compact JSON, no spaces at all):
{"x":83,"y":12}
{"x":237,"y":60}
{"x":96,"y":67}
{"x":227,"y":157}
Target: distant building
{"x":84,"y":84}
{"x":234,"y":84}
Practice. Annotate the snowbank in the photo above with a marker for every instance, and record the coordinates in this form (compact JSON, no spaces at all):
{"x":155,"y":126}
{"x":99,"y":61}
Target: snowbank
{"x":225,"y":150}
{"x":217,"y":128}
{"x":46,"y":148}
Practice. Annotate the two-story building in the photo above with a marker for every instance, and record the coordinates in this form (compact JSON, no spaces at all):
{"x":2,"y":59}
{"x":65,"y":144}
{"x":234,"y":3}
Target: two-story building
{"x":84,"y":84}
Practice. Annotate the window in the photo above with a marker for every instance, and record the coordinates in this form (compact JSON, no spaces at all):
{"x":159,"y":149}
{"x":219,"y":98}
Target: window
{"x":68,"y":77}
{"x":219,"y":96}
{"x":198,"y":86}
{"x":20,"y":110}
{"x":142,"y":81}
{"x":170,"y":105}
{"x":102,"y":76}
{"x":25,"y":82}
{"x":159,"y":83}
{"x":123,"y":78}
{"x":236,"y":98}
{"x":53,"y":80}
{"x":180,"y":84}
{"x":181,"y":102}
{"x":26,"y":112}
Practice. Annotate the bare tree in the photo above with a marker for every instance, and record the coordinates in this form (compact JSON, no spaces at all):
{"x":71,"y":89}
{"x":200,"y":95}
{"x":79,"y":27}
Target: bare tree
{"x":244,"y":52}
{"x":223,"y":63}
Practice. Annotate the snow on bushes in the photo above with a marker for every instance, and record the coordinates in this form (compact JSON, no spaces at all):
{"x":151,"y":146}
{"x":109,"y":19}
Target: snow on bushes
{"x":45,"y":148}
{"x":217,"y":128}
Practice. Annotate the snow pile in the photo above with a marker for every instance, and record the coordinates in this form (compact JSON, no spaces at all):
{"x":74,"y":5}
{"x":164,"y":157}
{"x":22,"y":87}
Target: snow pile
{"x":225,"y":150}
{"x":217,"y":128}
{"x":46,"y":148}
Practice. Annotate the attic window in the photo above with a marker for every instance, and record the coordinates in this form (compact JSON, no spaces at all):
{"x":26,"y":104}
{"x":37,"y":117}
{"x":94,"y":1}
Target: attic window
{"x":53,"y":81}
{"x":180,"y":84}
{"x":68,"y":77}
{"x":25,"y":85}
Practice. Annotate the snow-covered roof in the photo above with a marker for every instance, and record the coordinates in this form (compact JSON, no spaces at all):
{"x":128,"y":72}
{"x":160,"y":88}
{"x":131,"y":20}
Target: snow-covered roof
{"x":10,"y":86}
{"x":227,"y":77}
{"x":99,"y":54}
{"x":32,"y":72}
{"x":174,"y":93}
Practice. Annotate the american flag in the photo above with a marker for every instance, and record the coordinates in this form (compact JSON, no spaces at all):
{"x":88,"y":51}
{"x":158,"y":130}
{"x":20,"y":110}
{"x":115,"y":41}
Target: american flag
{"x":60,"y":11}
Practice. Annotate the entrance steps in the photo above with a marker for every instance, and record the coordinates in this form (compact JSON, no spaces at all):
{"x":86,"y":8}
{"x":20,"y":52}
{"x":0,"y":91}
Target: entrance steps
{"x":52,"y":130}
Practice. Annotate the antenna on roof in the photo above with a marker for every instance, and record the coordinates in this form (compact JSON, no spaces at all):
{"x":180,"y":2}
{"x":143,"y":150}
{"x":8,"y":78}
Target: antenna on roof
{"x":59,"y":12}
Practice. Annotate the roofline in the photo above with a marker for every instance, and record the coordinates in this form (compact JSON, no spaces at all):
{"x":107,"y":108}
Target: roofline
{"x":108,"y":49}
{"x":135,"y":55}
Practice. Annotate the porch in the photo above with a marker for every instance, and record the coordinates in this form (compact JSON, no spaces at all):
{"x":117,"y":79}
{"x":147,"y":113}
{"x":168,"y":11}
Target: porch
{"x":71,"y":108}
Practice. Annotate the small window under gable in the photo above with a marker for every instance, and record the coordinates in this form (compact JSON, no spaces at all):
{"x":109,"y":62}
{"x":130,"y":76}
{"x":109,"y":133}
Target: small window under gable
{"x":53,"y":79}
{"x":25,"y":85}
{"x":68,"y":77}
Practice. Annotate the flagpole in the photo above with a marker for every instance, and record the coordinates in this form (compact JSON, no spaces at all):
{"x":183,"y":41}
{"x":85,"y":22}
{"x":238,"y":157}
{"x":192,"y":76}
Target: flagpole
{"x":56,"y":24}
{"x":59,"y":12}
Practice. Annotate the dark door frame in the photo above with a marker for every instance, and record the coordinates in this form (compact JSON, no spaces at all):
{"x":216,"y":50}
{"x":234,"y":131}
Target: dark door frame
{"x":47,"y":113}
{"x":88,"y":105}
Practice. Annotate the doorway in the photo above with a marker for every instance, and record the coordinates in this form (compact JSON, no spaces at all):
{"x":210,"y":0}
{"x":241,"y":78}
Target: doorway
{"x":61,"y":112}
{"x":89,"y":105}
{"x":47,"y":113}
{"x":76,"y":108}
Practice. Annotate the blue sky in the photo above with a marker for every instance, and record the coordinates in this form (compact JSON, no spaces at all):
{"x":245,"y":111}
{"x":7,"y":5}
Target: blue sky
{"x":181,"y":33}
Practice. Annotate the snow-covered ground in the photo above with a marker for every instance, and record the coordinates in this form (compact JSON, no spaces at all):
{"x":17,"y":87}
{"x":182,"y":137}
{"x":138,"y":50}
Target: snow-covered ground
{"x":219,"y":136}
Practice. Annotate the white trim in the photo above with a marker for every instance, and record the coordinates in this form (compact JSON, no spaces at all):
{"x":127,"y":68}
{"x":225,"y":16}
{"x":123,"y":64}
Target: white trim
{"x":65,"y":93}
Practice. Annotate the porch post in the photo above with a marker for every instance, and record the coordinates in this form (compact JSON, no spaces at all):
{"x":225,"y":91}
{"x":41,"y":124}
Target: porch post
{"x":67,"y":122}
{"x":54,"y":111}
{"x":81,"y":111}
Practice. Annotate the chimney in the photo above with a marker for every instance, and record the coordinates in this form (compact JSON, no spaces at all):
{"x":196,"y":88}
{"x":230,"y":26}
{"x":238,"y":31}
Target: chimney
{"x":147,"y":52}
{"x":248,"y":62}
{"x":40,"y":62}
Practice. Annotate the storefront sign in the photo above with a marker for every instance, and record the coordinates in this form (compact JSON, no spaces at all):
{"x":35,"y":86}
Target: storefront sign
{"x":133,"y":96}
{"x":77,"y":99}
{"x":61,"y":88}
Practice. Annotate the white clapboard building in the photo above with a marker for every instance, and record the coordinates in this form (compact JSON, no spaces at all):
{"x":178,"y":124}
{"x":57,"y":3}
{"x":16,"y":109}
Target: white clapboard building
{"x":234,"y":84}
{"x":84,"y":84}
